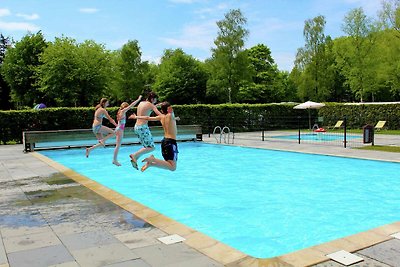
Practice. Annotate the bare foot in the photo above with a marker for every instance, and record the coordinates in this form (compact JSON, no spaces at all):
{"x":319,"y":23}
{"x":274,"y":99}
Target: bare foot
{"x":115,"y":162}
{"x":102,"y":143}
{"x":149,"y":159}
{"x":87,"y":152}
{"x":134,"y":162}
{"x":145,"y":166}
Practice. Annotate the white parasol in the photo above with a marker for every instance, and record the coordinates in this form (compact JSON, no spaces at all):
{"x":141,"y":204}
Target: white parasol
{"x":309,"y":105}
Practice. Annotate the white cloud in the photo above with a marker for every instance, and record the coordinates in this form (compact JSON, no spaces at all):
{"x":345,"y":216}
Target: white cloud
{"x":27,"y":16}
{"x":88,"y":10}
{"x":18,"y":26}
{"x":195,"y":36}
{"x":4,"y":12}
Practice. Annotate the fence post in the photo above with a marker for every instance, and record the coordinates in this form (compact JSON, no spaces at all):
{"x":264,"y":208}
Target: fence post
{"x":298,"y":126}
{"x":345,"y":131}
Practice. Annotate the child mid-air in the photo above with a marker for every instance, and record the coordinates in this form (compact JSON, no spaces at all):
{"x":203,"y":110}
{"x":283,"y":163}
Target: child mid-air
{"x":119,"y":131}
{"x":169,"y":147}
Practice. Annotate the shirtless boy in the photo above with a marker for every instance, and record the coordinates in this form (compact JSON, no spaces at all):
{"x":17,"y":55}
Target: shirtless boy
{"x":169,"y":147}
{"x":145,"y":108}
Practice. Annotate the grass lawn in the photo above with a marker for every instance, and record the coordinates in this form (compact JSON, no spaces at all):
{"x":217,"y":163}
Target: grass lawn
{"x":382,"y":148}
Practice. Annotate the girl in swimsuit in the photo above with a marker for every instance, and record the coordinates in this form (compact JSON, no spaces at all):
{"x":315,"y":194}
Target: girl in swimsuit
{"x":119,"y":131}
{"x":98,"y":128}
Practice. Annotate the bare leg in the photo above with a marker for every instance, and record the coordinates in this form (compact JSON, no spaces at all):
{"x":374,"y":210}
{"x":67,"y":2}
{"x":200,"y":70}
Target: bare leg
{"x":135,"y":156}
{"x":101,"y":141}
{"x":163,"y":164}
{"x":120,"y":135}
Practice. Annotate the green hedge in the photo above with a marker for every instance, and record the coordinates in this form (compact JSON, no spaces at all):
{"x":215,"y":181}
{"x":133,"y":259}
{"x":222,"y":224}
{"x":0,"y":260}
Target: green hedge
{"x":238,"y":117}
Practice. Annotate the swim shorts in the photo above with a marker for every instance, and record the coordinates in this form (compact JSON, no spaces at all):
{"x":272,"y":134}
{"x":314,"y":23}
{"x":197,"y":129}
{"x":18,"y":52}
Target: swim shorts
{"x":169,"y":149}
{"x":96,"y":129}
{"x":144,"y":134}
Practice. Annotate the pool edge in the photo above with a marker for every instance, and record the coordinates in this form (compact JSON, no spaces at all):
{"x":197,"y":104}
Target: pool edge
{"x":219,"y":251}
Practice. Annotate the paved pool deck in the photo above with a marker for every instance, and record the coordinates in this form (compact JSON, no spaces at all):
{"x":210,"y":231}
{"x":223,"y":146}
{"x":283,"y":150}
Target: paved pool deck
{"x":50,"y":216}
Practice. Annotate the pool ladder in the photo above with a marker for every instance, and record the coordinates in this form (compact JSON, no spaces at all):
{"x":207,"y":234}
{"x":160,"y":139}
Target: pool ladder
{"x":224,"y":132}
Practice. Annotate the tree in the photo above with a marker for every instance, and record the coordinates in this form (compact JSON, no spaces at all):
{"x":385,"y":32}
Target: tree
{"x":19,"y":69}
{"x":265,"y":85}
{"x":228,"y":66}
{"x":390,"y":15}
{"x":357,"y":64}
{"x":181,"y":78}
{"x":129,"y":77}
{"x":313,"y":61}
{"x":5,"y":43}
{"x":74,"y":74}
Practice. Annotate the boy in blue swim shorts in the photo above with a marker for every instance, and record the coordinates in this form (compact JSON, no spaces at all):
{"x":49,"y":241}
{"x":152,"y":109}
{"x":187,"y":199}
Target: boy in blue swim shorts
{"x":144,"y":109}
{"x":169,"y":147}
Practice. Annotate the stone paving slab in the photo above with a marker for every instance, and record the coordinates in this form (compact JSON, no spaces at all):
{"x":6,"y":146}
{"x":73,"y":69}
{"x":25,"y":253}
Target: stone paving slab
{"x":40,"y":257}
{"x":173,"y":255}
{"x":30,"y":241}
{"x":104,"y":255}
{"x":141,"y":238}
{"x":388,"y":252}
{"x":3,"y":257}
{"x":87,"y":240}
{"x":131,"y":263}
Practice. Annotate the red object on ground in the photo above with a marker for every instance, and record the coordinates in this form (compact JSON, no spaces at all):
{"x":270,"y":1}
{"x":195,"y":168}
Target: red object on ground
{"x":320,"y":130}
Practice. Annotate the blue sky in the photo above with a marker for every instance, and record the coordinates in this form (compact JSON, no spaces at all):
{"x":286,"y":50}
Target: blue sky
{"x":187,"y":24}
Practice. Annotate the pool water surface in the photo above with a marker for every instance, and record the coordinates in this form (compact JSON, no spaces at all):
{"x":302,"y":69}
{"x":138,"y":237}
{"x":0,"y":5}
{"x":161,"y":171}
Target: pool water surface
{"x":262,"y":202}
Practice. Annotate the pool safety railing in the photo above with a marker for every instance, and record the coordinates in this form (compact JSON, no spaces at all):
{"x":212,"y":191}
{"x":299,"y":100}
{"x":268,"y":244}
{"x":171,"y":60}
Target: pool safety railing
{"x":224,"y":133}
{"x":61,"y":139}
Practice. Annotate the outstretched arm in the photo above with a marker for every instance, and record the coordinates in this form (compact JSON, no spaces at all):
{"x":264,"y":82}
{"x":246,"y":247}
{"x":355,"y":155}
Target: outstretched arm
{"x":132,"y":104}
{"x":157,"y":118}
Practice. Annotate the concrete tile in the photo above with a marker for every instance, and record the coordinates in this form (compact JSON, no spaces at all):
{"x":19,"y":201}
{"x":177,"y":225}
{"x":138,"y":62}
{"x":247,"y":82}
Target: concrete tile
{"x":30,"y":241}
{"x":87,"y":240}
{"x":3,"y":257}
{"x":162,"y":255}
{"x":104,"y":255}
{"x":387,"y":252}
{"x":7,"y":232}
{"x":202,"y":261}
{"x":40,"y":257}
{"x":131,"y":263}
{"x":141,"y":238}
{"x":66,"y":264}
{"x":367,"y":262}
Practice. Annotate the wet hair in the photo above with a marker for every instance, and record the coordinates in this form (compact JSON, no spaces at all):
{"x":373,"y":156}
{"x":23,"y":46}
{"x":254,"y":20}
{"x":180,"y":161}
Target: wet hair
{"x":102,"y":103}
{"x":164,"y":107}
{"x":123,"y":105}
{"x":151,"y":96}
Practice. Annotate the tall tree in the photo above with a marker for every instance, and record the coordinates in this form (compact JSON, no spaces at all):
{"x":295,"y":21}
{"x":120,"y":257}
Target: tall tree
{"x":181,"y":78}
{"x":390,"y":15}
{"x":311,"y":60}
{"x":19,"y":69}
{"x":74,"y":74}
{"x":265,"y":85}
{"x":129,"y":72}
{"x":228,"y":65}
{"x":4,"y":88}
{"x":358,"y":64}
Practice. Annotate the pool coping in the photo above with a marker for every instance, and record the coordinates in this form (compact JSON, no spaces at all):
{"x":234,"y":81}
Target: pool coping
{"x":219,"y":251}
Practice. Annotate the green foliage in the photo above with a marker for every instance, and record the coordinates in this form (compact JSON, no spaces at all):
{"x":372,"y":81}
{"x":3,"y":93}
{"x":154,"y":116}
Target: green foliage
{"x":73,"y":74}
{"x":4,"y":88}
{"x":181,"y":78}
{"x":228,"y":65}
{"x":129,"y":72}
{"x":19,"y":69}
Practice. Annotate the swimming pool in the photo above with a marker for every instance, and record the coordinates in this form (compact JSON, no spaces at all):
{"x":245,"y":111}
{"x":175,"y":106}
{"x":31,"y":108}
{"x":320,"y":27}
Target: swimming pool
{"x":319,"y":137}
{"x":262,"y":202}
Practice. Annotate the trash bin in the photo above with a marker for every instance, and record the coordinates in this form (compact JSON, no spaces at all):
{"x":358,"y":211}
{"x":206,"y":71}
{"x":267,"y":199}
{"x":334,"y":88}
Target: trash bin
{"x":368,"y":134}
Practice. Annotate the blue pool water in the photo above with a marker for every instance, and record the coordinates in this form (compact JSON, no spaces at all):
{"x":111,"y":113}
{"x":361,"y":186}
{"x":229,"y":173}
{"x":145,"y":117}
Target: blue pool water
{"x":262,"y":202}
{"x":319,"y":137}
